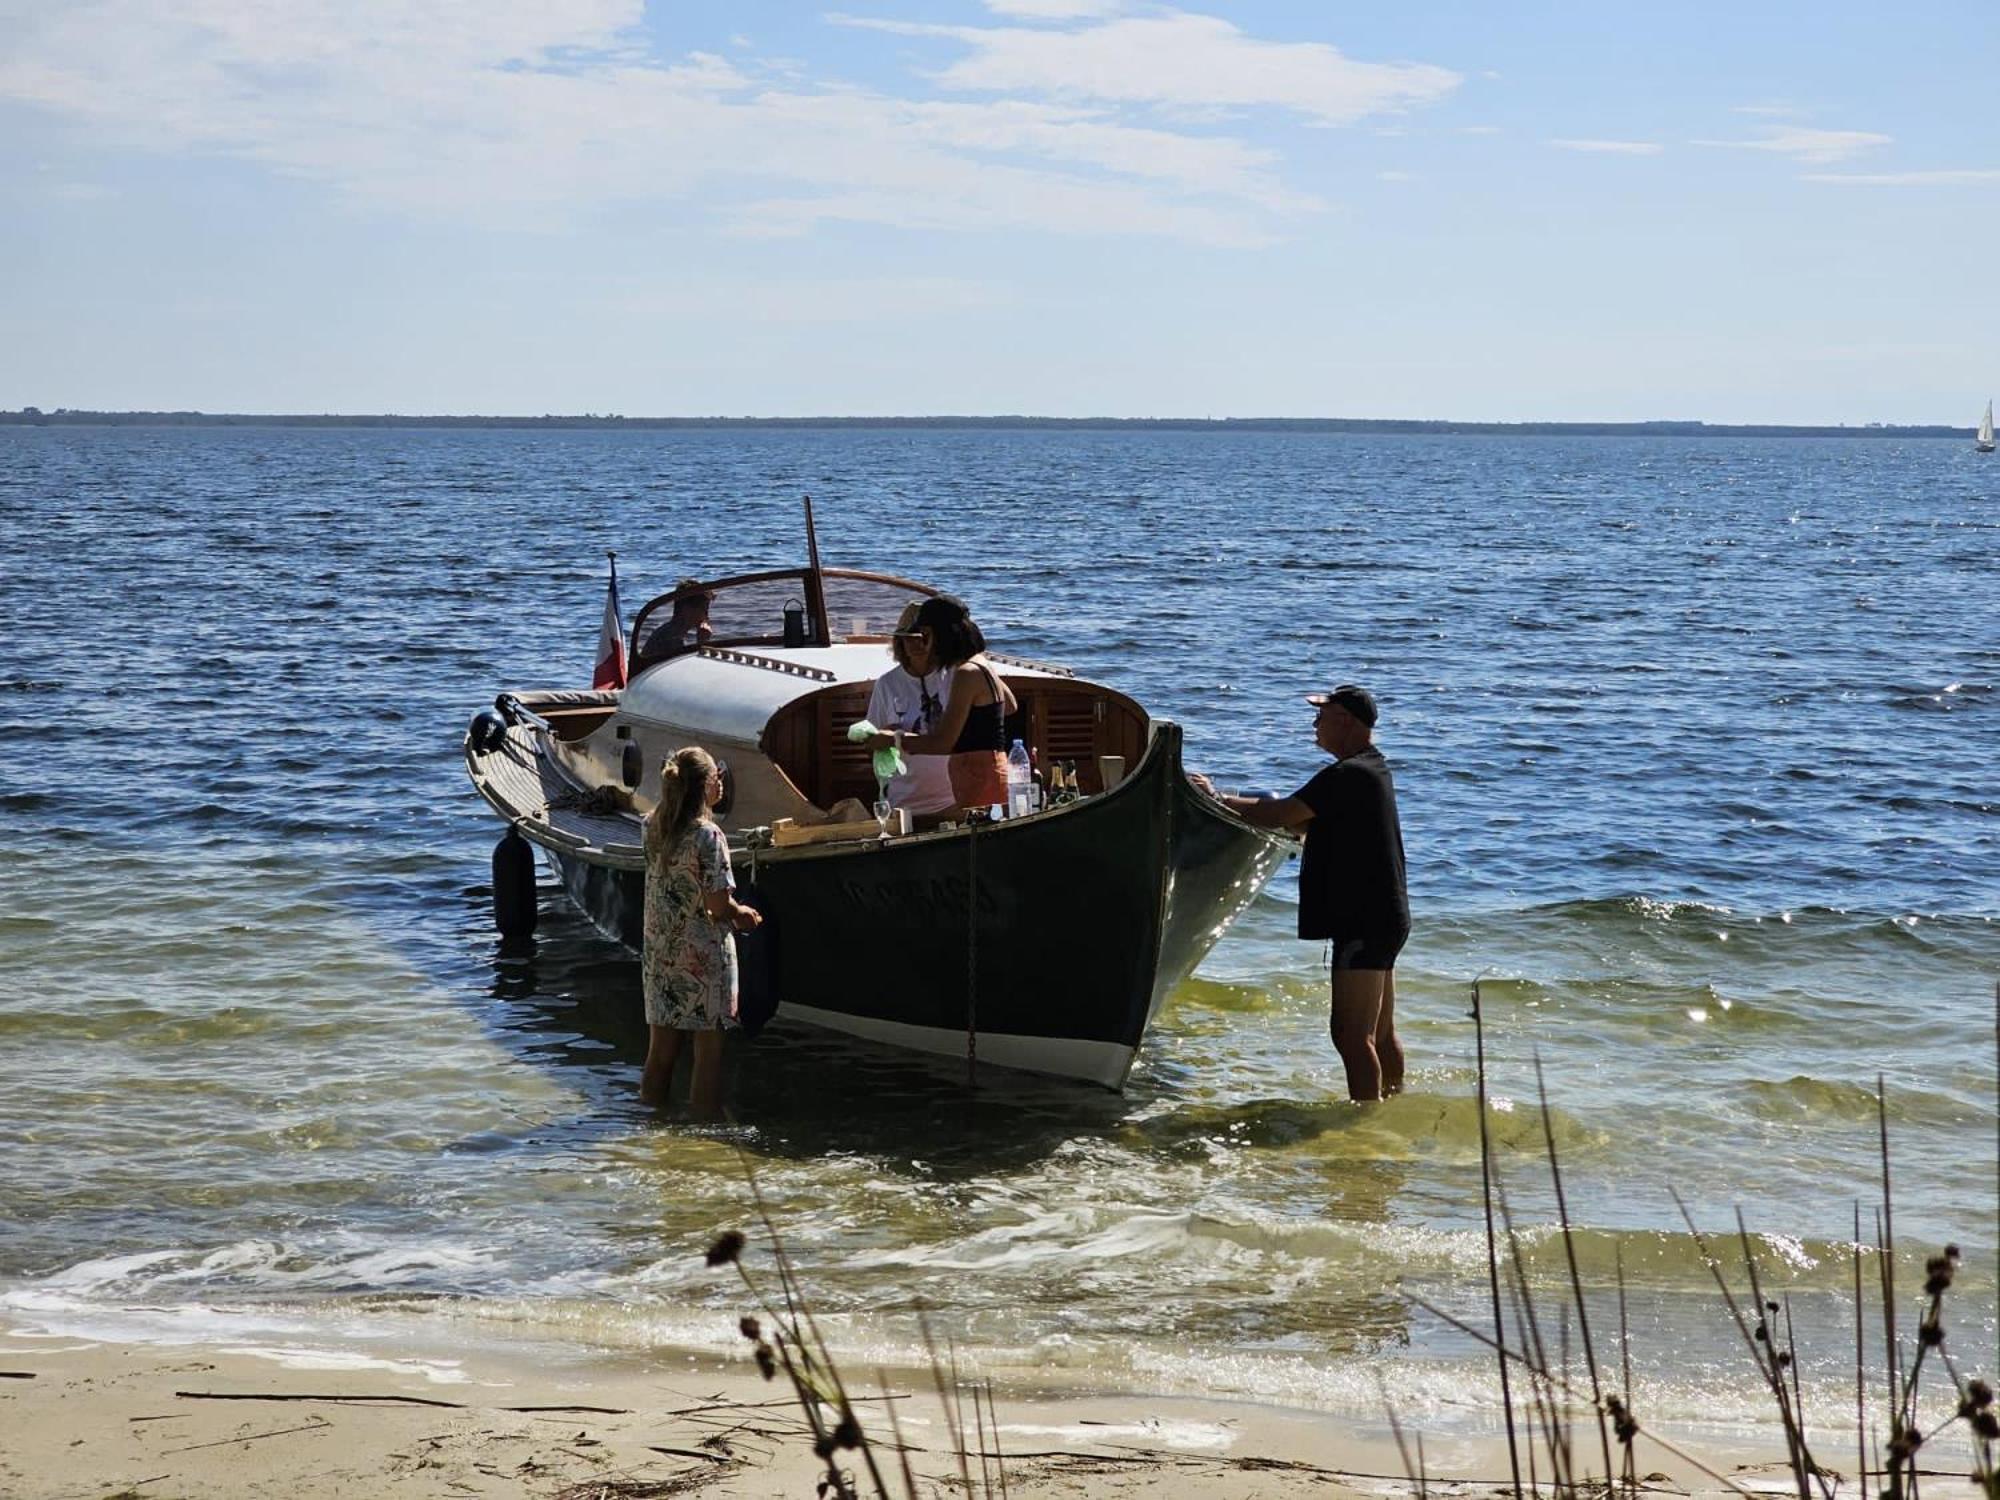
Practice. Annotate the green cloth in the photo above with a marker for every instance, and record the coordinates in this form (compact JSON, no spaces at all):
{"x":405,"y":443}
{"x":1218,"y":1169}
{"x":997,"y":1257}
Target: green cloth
{"x":888,"y":760}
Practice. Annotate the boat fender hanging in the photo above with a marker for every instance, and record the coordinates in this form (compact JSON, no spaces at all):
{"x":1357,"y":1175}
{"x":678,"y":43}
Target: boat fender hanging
{"x":489,"y":731}
{"x":514,"y":910}
{"x":795,"y":623}
{"x":632,"y":765}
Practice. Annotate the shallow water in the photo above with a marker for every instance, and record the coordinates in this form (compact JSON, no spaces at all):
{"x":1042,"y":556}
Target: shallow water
{"x":1695,"y":742}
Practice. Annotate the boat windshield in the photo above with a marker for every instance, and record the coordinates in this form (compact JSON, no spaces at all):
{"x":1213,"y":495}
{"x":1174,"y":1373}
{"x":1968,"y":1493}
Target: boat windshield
{"x":772,"y":609}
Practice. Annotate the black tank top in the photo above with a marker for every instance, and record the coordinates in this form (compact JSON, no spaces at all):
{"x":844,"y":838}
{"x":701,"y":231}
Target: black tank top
{"x":986,"y":725}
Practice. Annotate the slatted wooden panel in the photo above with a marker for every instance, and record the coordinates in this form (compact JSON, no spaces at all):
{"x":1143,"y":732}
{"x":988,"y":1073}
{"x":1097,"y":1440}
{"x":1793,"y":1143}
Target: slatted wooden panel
{"x":1076,"y":722}
{"x":845,"y":769}
{"x":1067,"y":731}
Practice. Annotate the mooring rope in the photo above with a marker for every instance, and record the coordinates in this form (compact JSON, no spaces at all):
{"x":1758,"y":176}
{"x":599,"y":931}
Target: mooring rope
{"x":971,"y":954}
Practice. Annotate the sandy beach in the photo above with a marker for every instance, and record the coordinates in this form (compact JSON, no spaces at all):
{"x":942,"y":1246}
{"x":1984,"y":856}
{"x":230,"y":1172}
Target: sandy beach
{"x":157,"y":1422}
{"x":104,"y":1420}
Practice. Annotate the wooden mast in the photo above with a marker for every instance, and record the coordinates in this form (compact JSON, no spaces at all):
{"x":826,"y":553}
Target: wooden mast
{"x":816,"y":583}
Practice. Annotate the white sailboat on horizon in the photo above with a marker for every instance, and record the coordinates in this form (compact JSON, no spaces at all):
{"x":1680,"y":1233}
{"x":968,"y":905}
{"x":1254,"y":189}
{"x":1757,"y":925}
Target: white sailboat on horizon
{"x":1984,"y":442}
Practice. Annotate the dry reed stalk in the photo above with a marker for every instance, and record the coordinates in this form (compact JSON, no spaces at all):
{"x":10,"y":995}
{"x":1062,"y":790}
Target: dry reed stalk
{"x":1771,"y":1339}
{"x":846,"y":1432}
{"x":1860,"y":1366}
{"x":953,"y":1421}
{"x":979,"y":1437}
{"x":896,"y":1436}
{"x":1757,"y":1339}
{"x":999,"y":1453}
{"x":1776,"y":1363}
{"x":796,"y":1344}
{"x":1412,"y":1468}
{"x":1620,"y":1407}
{"x":1575,"y":1276}
{"x":1654,"y":1438}
{"x":1492,"y":1255}
{"x":1885,"y":1243}
{"x":1545,"y":1413}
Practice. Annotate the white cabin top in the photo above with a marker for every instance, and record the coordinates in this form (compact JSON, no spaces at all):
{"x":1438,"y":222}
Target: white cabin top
{"x":724,"y":657}
{"x":733,"y":694}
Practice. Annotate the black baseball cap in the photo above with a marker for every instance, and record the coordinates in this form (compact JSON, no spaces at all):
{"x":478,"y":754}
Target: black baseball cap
{"x":1356,"y":700}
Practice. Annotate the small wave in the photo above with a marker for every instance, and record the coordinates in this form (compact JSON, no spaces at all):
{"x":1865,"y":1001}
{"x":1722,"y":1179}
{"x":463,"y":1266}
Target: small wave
{"x":291,"y":1357}
{"x":269,"y":1266}
{"x":1943,"y":698}
{"x":1834,"y":1099}
{"x":1407,"y":1127}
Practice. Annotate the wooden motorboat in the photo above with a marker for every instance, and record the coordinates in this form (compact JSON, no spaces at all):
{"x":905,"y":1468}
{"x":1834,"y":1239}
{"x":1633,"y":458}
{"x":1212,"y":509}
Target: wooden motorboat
{"x":1046,"y":942}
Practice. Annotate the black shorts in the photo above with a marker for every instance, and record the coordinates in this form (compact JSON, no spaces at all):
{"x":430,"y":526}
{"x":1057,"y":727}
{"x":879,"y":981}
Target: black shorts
{"x":1376,"y":951}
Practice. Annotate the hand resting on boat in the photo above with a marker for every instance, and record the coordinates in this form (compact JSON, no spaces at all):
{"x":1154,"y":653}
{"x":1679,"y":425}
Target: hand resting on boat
{"x":1259,"y":810}
{"x":722,"y":906}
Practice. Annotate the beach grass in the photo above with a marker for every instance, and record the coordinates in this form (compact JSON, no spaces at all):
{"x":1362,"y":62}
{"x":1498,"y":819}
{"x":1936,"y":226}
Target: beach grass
{"x":1541,"y":1428}
{"x":785,"y":1339}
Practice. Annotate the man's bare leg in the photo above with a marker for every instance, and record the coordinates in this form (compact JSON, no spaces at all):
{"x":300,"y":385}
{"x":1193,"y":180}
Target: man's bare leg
{"x":1389,"y":1047}
{"x":1357,"y":1008}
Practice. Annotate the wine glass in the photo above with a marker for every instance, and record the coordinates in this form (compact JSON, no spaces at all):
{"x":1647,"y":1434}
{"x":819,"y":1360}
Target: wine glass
{"x":882,"y":813}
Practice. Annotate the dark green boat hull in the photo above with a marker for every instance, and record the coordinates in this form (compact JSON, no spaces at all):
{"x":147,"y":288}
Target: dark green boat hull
{"x":1047,"y":943}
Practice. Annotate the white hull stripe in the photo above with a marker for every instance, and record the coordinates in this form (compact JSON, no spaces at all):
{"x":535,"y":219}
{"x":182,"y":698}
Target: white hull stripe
{"x":1104,"y":1063}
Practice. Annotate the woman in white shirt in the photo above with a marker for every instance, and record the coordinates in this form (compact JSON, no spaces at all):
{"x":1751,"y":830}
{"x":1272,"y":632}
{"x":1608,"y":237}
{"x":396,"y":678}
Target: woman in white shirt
{"x":910,"y":696}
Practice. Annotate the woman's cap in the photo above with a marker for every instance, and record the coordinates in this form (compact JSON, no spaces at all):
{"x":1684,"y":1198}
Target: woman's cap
{"x":906,"y":622}
{"x":1356,"y":700}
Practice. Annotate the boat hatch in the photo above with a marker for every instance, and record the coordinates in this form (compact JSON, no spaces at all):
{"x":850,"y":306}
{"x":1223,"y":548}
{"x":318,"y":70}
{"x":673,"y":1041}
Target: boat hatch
{"x":795,"y":607}
{"x":1060,"y":718}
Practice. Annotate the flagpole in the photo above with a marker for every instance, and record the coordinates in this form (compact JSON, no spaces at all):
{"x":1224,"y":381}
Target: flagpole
{"x":619,"y":605}
{"x":613,"y":653}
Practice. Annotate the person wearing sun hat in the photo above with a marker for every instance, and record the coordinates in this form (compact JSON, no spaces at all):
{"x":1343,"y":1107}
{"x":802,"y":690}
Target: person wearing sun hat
{"x":1352,"y":891}
{"x":910,"y":697}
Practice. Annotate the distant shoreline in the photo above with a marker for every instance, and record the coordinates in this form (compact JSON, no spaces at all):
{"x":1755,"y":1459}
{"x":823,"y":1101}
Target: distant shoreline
{"x":65,"y":417}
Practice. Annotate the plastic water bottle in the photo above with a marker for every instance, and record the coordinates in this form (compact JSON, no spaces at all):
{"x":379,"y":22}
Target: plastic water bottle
{"x":1020,"y":782}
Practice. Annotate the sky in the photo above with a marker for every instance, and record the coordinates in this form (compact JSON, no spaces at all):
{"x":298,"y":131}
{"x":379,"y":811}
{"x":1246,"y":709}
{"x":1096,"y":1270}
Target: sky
{"x":1534,"y":211}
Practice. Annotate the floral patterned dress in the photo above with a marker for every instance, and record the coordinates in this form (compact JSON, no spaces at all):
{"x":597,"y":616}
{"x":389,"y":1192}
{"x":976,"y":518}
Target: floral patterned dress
{"x":690,"y":959}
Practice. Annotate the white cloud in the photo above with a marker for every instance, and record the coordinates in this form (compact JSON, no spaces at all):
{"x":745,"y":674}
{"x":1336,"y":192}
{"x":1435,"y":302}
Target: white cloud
{"x":1479,"y":130}
{"x":1179,"y":59}
{"x":1943,"y":177}
{"x":1612,"y":148}
{"x":1055,"y":10}
{"x":1395,"y":177}
{"x":737,"y":301}
{"x":522,"y":111}
{"x":1806,"y":144}
{"x":1768,"y":111}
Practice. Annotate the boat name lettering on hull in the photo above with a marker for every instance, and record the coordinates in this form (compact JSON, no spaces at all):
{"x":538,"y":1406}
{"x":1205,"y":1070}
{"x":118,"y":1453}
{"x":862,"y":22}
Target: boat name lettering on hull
{"x":918,"y":902}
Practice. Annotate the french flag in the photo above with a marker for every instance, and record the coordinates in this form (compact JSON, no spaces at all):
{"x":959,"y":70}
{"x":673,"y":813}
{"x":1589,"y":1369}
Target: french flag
{"x":610,"y":671}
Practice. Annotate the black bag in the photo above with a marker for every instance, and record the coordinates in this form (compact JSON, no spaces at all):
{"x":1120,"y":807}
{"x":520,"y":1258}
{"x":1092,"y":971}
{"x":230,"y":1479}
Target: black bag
{"x":756,"y":965}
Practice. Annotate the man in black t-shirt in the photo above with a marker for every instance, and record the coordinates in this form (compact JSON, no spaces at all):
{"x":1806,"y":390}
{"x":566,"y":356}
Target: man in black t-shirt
{"x":1351,"y":889}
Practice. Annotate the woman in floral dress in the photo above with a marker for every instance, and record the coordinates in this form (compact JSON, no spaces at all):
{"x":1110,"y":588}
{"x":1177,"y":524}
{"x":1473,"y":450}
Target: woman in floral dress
{"x":689,"y":961}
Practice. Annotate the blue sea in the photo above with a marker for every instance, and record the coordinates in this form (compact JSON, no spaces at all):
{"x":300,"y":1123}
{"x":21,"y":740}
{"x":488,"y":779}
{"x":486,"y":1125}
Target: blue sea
{"x":1698,"y":748}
